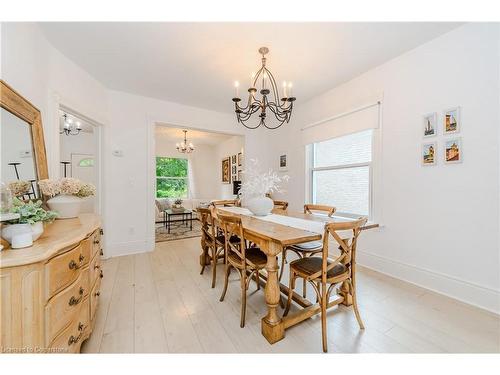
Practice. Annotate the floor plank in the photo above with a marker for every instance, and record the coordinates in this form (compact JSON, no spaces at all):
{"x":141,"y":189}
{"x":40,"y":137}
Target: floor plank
{"x":159,"y":302}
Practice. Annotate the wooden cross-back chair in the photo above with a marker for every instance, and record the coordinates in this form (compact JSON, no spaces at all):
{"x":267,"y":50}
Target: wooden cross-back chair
{"x":225,"y":203}
{"x":307,"y":249}
{"x":280,"y":207}
{"x":324,"y":273}
{"x":212,"y":242}
{"x":240,"y":257}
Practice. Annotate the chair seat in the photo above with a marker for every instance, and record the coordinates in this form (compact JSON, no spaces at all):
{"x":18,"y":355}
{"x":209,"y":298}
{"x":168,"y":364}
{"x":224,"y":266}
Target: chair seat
{"x":234,"y":239}
{"x":310,"y":247}
{"x":310,"y":265}
{"x":254,"y":255}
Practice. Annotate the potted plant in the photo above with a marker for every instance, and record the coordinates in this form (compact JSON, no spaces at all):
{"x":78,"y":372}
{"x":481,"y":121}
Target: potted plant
{"x":65,"y":195}
{"x":257,"y":184}
{"x":178,"y":203}
{"x":31,"y":218}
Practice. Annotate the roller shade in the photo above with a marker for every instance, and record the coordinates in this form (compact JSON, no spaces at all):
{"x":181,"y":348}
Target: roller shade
{"x":363,"y":118}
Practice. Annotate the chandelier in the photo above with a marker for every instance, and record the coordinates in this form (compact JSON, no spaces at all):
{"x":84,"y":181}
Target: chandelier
{"x":270,"y":100}
{"x":184,"y":147}
{"x":70,"y":127}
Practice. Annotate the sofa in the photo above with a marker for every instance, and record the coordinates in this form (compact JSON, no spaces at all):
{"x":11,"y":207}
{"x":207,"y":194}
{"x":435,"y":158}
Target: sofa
{"x":161,"y":204}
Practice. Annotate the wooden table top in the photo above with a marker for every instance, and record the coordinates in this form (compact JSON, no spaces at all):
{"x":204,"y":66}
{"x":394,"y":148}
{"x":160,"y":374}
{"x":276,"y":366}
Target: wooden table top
{"x":286,"y":235}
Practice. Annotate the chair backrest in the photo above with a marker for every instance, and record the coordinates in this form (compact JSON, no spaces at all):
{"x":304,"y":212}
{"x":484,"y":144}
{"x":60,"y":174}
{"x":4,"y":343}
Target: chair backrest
{"x":280,"y":207}
{"x":226,"y":202}
{"x":311,"y":208}
{"x":231,"y":225}
{"x":347,"y":244}
{"x":207,"y":222}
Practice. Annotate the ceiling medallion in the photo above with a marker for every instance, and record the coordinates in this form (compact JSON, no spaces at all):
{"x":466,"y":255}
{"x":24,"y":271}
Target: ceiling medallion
{"x":270,"y":99}
{"x":184,"y":147}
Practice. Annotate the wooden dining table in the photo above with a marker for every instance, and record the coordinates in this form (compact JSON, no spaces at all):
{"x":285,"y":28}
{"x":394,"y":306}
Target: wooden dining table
{"x":272,"y":237}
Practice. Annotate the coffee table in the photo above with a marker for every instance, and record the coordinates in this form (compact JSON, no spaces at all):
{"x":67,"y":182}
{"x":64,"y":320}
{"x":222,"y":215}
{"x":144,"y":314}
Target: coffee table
{"x":186,"y":216}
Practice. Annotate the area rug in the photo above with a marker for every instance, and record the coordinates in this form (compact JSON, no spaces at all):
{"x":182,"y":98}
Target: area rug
{"x":177,"y":231}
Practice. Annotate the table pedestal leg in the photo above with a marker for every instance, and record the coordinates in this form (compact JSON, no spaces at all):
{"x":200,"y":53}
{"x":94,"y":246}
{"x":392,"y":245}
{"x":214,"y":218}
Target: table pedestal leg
{"x":272,"y":325}
{"x":345,"y":292}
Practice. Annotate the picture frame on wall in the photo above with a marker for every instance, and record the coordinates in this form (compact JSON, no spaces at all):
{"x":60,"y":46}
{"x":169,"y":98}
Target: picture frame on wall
{"x":226,"y":170}
{"x":430,"y":125}
{"x":239,"y":175}
{"x":240,"y":159}
{"x":233,"y":160}
{"x":428,"y":156}
{"x":233,"y":171}
{"x":453,"y":151}
{"x":283,"y":162}
{"x":451,"y":121}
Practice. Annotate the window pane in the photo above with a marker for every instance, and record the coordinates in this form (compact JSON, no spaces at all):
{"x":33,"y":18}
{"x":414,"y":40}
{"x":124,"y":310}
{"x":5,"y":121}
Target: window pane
{"x":171,"y":167}
{"x":171,"y":187}
{"x":349,"y":149}
{"x":347,"y":189}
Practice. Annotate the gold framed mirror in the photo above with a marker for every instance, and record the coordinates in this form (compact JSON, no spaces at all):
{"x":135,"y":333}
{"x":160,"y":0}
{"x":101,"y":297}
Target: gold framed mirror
{"x":23,"y":146}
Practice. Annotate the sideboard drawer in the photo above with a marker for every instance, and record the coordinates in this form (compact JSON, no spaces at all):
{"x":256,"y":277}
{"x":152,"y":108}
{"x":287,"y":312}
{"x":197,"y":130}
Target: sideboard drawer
{"x":96,"y":242}
{"x":62,"y":270}
{"x":65,"y":306}
{"x":95,"y":269}
{"x":70,"y":339}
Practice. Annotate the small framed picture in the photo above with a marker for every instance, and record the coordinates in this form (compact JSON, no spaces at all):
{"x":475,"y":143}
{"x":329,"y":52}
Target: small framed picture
{"x":283,"y":162}
{"x":239,"y":176}
{"x":233,"y":159}
{"x":453,"y":152}
{"x":430,"y":125}
{"x":429,"y":153}
{"x":240,"y":159}
{"x":452,"y":121}
{"x":233,"y":171}
{"x":226,"y":171}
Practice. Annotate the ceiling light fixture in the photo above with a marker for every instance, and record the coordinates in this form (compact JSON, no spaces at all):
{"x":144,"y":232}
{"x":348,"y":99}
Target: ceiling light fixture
{"x":70,"y":127}
{"x":280,"y":107}
{"x":184,"y":147}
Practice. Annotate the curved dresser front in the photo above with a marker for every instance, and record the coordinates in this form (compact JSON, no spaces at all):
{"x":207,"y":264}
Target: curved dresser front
{"x":49,"y":292}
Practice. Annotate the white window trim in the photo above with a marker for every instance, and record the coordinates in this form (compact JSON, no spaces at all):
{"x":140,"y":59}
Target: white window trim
{"x":313,"y":169}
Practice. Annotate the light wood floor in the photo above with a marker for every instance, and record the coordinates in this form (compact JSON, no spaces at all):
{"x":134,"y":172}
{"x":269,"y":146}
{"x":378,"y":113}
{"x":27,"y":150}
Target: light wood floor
{"x":158,"y":302}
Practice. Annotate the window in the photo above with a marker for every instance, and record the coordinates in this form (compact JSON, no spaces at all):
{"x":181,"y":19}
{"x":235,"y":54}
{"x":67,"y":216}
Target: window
{"x":87,"y":162}
{"x":341,"y":173}
{"x":171,"y":177}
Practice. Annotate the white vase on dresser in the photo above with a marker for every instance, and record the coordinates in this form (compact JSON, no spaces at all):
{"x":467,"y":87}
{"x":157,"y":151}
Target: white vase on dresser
{"x":67,"y":206}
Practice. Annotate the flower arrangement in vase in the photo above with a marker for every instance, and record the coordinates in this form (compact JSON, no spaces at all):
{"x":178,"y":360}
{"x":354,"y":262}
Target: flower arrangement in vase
{"x":257,"y":185}
{"x":19,"y":188}
{"x":30,"y":221}
{"x":177,"y":205}
{"x":65,"y":195}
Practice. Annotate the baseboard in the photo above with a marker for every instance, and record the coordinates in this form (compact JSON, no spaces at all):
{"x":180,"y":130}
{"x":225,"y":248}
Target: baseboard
{"x":473,"y":294}
{"x":117,"y":249}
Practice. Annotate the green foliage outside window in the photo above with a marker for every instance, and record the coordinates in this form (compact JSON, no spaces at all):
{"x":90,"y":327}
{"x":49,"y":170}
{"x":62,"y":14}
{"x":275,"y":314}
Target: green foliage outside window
{"x":171,"y":177}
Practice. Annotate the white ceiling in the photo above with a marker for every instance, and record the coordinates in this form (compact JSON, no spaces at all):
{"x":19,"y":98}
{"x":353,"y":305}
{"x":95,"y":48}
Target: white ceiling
{"x":197,"y":63}
{"x":198,"y":137}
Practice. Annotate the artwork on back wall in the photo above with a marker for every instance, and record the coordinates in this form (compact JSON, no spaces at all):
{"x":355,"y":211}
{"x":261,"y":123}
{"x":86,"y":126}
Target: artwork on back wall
{"x":452,"y":147}
{"x":283,"y":162}
{"x":240,"y":159}
{"x":453,"y":152}
{"x":226,"y":170}
{"x":452,"y":121}
{"x":429,"y":153}
{"x":430,"y":125}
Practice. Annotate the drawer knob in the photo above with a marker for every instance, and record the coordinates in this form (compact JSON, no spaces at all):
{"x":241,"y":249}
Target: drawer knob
{"x":97,"y":294}
{"x":96,"y":267}
{"x":73,"y":340}
{"x":96,"y":242}
{"x":81,"y":258}
{"x":101,"y":252}
{"x":75,"y":301}
{"x":101,"y":275}
{"x":75,"y":266}
{"x":101,"y":231}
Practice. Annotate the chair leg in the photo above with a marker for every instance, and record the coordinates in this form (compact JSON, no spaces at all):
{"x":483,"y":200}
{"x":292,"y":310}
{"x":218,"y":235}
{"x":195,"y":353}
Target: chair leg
{"x":204,"y":257}
{"x":243,"y":298}
{"x":214,"y":265}
{"x":291,"y":287}
{"x":355,"y":305}
{"x":257,"y":278}
{"x":283,"y":261}
{"x":226,"y":281}
{"x":323,"y":319}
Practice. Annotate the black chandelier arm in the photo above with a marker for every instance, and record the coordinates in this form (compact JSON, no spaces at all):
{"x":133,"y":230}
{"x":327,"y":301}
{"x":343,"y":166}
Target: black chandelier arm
{"x":274,"y":86}
{"x":278,"y":113}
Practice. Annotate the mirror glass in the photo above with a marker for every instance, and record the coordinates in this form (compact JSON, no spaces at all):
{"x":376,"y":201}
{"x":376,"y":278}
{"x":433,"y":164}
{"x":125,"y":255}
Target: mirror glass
{"x":17,"y":155}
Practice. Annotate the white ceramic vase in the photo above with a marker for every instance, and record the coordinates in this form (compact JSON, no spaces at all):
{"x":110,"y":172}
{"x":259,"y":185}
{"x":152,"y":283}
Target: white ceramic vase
{"x":260,"y":206}
{"x":37,"y":230}
{"x":18,"y":235}
{"x":67,"y":206}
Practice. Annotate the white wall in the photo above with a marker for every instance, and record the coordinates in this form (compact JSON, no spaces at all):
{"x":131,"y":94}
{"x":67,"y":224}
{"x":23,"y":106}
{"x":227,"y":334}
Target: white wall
{"x":440,"y":223}
{"x":230,"y":147}
{"x":203,"y":163}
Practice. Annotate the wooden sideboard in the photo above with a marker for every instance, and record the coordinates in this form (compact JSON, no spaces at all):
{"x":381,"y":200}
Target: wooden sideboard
{"x":49,"y":292}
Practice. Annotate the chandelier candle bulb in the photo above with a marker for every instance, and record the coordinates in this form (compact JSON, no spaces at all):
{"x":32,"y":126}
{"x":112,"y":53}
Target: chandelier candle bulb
{"x":284,"y":89}
{"x":236,"y":88}
{"x":290,"y":89}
